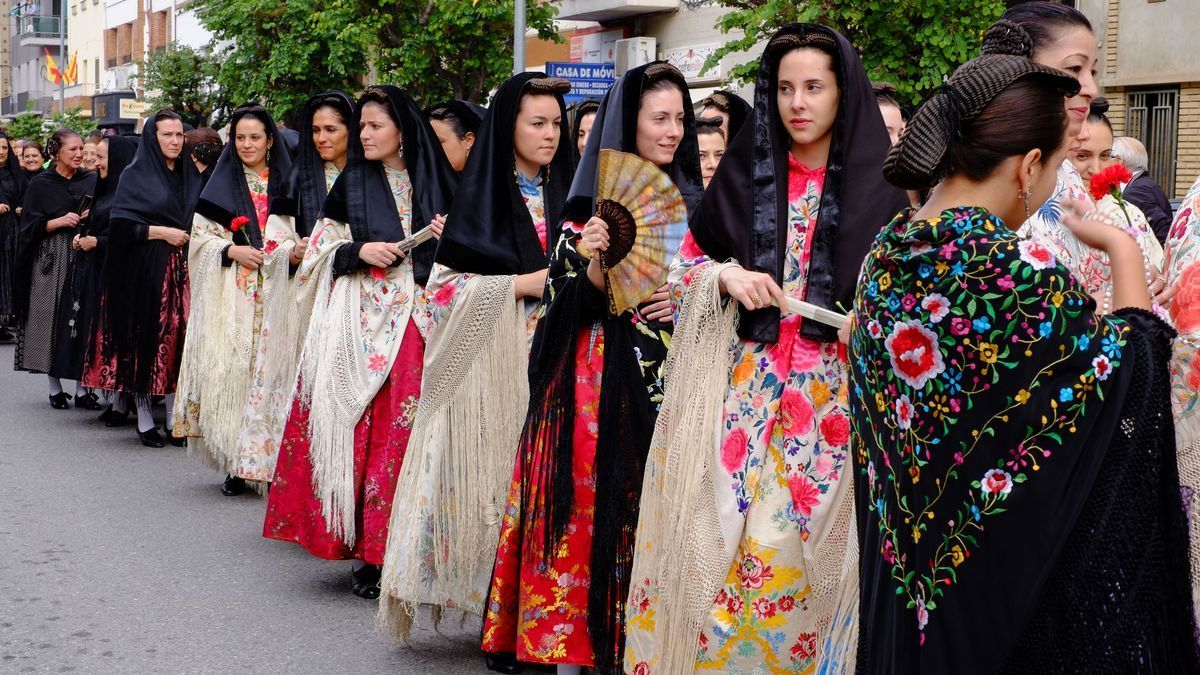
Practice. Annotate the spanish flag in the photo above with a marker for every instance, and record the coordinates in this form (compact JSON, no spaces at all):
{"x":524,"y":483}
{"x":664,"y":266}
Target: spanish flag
{"x":52,"y":72}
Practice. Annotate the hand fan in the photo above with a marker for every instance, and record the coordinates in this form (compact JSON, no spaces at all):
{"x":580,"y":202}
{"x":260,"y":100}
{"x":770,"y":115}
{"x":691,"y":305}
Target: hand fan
{"x":811,"y":311}
{"x":416,"y":239}
{"x":646,"y":219}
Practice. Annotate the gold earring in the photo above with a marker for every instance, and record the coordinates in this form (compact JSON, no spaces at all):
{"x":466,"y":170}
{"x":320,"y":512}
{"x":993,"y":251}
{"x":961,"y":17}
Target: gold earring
{"x":1025,"y":195}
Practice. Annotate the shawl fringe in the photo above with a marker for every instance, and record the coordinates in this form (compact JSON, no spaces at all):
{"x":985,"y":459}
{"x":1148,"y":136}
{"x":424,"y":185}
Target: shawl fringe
{"x":473,"y":402}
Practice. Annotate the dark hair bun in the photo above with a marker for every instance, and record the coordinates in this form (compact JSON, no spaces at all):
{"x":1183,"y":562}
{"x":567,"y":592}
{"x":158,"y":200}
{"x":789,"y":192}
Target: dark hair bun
{"x":1099,"y":106}
{"x":1007,"y":37}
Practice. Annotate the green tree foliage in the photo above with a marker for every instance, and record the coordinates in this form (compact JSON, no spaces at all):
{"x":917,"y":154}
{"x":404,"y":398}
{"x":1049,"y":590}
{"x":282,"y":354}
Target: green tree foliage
{"x":28,"y":126}
{"x":441,"y":49}
{"x":913,"y":44}
{"x":73,"y":119}
{"x":280,"y":53}
{"x":185,"y":80}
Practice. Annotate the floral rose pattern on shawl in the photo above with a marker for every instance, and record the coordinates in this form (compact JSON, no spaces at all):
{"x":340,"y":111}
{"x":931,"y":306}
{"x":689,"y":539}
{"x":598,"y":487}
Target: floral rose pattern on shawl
{"x":967,"y":339}
{"x":781,"y":460}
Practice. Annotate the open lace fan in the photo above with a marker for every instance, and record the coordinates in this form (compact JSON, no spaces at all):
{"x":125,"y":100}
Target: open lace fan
{"x":646,"y":219}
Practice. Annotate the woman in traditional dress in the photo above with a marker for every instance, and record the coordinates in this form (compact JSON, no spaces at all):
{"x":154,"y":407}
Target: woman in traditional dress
{"x":33,"y":159}
{"x":12,"y":192}
{"x":487,"y":287}
{"x":113,"y":155}
{"x":558,"y":591}
{"x":1016,"y":483}
{"x":90,"y":159}
{"x":145,"y":297}
{"x":712,"y":147}
{"x":757,"y":518}
{"x":82,"y":295}
{"x":731,"y":109}
{"x":360,"y":368}
{"x":226,"y":275}
{"x":321,"y":156}
{"x":51,"y":214}
{"x":204,"y":147}
{"x":581,"y":123}
{"x":456,"y":124}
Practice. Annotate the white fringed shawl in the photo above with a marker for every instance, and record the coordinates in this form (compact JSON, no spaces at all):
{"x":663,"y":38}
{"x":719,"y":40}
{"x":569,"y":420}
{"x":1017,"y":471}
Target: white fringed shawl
{"x":454,"y":483}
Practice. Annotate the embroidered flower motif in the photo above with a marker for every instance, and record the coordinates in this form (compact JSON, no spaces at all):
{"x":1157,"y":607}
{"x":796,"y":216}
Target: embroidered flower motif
{"x":270,"y":247}
{"x":787,"y":603}
{"x":922,"y":614}
{"x":764,"y":608}
{"x":1185,"y":307}
{"x":733,"y":451}
{"x":904,"y":412}
{"x":1102,"y":367}
{"x":875,"y":330}
{"x":989,"y":352}
{"x":805,"y":648}
{"x":937,"y":305}
{"x":957,"y":555}
{"x":377,"y":363}
{"x":642,"y":668}
{"x":960,"y":326}
{"x":996,"y":482}
{"x":804,"y":493}
{"x":836,"y":429}
{"x":1039,"y":257}
{"x":379,"y":273}
{"x":1066,"y":395}
{"x":753,"y":574}
{"x":797,"y":412}
{"x":915,"y":355}
{"x":444,"y":295}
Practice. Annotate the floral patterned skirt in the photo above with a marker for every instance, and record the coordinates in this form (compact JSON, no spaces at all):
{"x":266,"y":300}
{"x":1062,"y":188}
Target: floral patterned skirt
{"x":540,"y":611}
{"x":380,"y":441}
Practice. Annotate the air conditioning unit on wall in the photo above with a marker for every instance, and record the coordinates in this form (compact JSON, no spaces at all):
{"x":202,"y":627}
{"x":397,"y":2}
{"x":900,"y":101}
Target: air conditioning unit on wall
{"x":634,"y":52}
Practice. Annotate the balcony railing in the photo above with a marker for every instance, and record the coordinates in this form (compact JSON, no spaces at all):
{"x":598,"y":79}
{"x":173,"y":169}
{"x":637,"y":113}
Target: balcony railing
{"x":38,"y":27}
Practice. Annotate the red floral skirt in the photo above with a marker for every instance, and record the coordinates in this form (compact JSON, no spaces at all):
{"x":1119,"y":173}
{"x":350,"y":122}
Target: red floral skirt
{"x":380,"y":441}
{"x":539,"y":611}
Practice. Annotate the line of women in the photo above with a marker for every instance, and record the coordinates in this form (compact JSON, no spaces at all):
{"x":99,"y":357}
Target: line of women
{"x":397,"y":329}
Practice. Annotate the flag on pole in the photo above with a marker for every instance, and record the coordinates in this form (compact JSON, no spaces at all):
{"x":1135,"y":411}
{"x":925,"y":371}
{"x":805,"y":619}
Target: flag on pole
{"x":52,"y":72}
{"x":72,"y":74}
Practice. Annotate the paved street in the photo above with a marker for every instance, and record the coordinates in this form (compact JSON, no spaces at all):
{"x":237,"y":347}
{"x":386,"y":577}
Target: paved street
{"x":119,"y":558}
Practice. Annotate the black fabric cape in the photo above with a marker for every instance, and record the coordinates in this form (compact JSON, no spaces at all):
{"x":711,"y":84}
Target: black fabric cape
{"x":740,"y":112}
{"x":1017,"y":495}
{"x":86,"y":279}
{"x":135,"y":271}
{"x":361,"y":197}
{"x":629,"y":386}
{"x":304,"y":193}
{"x":492,"y":233}
{"x":48,"y":196}
{"x":226,"y":196}
{"x":12,"y":191}
{"x":752,"y":181}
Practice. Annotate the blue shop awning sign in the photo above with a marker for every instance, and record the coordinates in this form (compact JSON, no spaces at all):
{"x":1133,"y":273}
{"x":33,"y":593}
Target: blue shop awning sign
{"x":588,"y":80}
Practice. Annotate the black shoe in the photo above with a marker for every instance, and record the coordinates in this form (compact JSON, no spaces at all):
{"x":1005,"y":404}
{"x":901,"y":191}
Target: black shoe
{"x":177,"y":441}
{"x":6,"y":335}
{"x":106,"y":415}
{"x":60,"y":401}
{"x":366,"y":582}
{"x":505,"y":662}
{"x":88,"y":401}
{"x":151,"y":438}
{"x":232,"y":486}
{"x":116,"y":419}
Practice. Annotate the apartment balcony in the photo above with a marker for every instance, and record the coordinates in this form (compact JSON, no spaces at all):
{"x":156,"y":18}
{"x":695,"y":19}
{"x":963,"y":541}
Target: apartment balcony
{"x":611,"y":10}
{"x":39,"y":31}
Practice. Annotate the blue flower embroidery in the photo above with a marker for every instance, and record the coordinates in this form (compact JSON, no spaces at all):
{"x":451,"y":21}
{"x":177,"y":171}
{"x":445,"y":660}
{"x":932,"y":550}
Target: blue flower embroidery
{"x":982,"y":324}
{"x":1045,"y":329}
{"x":925,"y":270}
{"x":1084,"y":341}
{"x":1110,"y":347}
{"x":1066,"y":395}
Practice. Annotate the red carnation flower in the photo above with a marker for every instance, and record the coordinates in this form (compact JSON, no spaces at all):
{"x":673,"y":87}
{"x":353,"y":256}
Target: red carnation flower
{"x":238,"y":223}
{"x":1108,"y":181}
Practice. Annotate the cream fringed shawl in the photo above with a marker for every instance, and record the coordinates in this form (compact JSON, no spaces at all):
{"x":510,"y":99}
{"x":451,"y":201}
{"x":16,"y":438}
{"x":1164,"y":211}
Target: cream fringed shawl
{"x":460,"y":458}
{"x":219,"y":348}
{"x":685,"y":548}
{"x":1183,"y":276}
{"x":354,"y":334}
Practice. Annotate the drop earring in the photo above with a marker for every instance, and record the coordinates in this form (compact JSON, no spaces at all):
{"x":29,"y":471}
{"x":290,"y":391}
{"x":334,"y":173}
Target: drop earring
{"x":1025,"y":195}
{"x":400,"y":151}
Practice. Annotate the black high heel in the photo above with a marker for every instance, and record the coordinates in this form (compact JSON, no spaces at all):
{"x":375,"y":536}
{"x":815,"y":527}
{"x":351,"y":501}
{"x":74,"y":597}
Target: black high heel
{"x":366,"y":581}
{"x":60,"y":401}
{"x":233,"y":486}
{"x":116,"y":419}
{"x":88,"y":401}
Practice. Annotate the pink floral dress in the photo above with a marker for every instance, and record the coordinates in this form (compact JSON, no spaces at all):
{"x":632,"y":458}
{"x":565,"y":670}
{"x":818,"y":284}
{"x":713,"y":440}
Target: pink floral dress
{"x":782,"y":461}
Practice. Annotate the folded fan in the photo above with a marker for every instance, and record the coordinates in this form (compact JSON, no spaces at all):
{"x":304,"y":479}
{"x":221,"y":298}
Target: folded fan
{"x":814,"y":312}
{"x":415,"y":239}
{"x":646,"y":218}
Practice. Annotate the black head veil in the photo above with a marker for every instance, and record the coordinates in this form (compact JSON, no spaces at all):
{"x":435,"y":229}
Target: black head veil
{"x":492,"y":233}
{"x":150,"y":193}
{"x":362,"y":198}
{"x":304,"y":193}
{"x":226,"y":196}
{"x":468,"y":113}
{"x":121,"y":151}
{"x":615,"y":127}
{"x":753,"y":177}
{"x":739,"y":110}
{"x":14,"y":177}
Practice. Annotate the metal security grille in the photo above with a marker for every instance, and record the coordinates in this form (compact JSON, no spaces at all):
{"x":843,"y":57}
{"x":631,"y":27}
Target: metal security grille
{"x":1153,"y":118}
